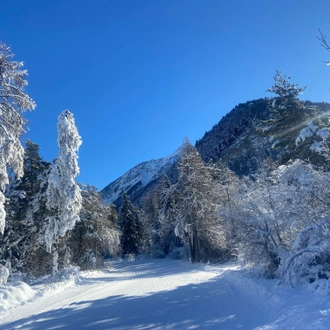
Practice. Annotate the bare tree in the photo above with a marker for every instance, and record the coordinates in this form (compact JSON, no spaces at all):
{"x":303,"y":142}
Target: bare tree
{"x":323,"y":42}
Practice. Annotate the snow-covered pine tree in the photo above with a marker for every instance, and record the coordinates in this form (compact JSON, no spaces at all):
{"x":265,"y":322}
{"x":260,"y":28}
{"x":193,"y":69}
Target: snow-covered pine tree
{"x":284,"y":90}
{"x":288,"y":112}
{"x":96,"y":235}
{"x":63,"y":193}
{"x":160,"y":214}
{"x":24,"y":211}
{"x":13,"y":102}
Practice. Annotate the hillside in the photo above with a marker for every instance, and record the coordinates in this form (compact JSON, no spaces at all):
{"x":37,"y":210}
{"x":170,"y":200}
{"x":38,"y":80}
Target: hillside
{"x":242,"y":139}
{"x":247,"y":135}
{"x":140,"y":178}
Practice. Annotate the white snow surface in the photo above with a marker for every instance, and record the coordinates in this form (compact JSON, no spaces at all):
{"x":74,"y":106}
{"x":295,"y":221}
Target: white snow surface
{"x":323,"y":133}
{"x":163,"y":294}
{"x":306,"y":132}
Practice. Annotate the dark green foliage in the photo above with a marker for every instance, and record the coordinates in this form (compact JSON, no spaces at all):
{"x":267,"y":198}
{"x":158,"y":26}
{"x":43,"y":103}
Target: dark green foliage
{"x":95,"y":236}
{"x":131,"y":228}
{"x":160,"y":216}
{"x":216,"y":142}
{"x":287,"y":111}
{"x":284,"y":89}
{"x":20,"y":248}
{"x":265,"y":128}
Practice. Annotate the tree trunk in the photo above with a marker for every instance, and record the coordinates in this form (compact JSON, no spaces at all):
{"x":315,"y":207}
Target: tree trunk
{"x":191,"y":249}
{"x":55,"y":261}
{"x":196,"y":244}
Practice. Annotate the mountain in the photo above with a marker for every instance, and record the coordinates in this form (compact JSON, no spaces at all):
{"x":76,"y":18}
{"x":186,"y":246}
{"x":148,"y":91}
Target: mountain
{"x":138,"y":180}
{"x":242,"y":139}
{"x":255,"y":130}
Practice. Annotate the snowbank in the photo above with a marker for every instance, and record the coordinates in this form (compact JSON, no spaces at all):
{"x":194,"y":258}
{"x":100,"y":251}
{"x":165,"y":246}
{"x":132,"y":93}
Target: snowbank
{"x":15,"y":294}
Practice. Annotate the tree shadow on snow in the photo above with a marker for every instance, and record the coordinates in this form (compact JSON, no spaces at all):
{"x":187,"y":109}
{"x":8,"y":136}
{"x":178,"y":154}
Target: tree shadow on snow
{"x":209,"y":305}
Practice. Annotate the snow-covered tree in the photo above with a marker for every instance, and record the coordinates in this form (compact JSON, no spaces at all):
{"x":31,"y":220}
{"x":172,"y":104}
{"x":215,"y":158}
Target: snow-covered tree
{"x":13,"y":102}
{"x":25,"y":209}
{"x":96,"y":235}
{"x":63,"y":193}
{"x":283,"y":88}
{"x":160,"y":215}
{"x":198,"y":223}
{"x":309,"y":257}
{"x":288,"y":112}
{"x":274,"y":209}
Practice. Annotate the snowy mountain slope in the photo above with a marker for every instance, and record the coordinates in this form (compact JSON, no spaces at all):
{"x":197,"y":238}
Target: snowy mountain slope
{"x":136,"y":179}
{"x":167,"y":294}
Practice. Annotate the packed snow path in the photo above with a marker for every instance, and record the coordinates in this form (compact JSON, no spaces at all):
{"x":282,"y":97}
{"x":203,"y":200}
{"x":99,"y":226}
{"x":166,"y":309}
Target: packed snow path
{"x":167,"y":294}
{"x":143,"y":294}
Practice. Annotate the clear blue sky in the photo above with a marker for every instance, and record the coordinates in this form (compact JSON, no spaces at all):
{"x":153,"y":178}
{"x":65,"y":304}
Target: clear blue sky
{"x":140,"y":74}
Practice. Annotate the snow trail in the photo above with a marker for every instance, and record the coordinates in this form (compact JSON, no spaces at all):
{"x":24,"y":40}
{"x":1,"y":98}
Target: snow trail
{"x":164,"y":294}
{"x":141,"y":294}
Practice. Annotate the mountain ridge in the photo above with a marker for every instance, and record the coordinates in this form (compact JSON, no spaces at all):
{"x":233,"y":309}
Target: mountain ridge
{"x":242,"y":139}
{"x":137,"y":178}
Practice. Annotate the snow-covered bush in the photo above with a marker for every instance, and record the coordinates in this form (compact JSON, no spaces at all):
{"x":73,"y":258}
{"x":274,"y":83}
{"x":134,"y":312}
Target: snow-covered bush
{"x":309,"y":259}
{"x":4,"y":274}
{"x":273,"y":211}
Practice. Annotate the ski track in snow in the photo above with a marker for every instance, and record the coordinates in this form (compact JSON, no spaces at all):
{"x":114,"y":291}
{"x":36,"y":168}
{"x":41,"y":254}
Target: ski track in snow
{"x":167,"y":294}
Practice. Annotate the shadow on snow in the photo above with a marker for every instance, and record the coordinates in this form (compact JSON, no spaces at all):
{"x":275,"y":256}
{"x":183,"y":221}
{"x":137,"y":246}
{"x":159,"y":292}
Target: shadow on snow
{"x":210,"y":305}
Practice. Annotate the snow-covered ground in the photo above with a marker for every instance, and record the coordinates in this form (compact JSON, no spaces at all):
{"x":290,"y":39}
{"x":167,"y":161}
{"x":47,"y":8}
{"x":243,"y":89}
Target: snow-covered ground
{"x":162,"y":294}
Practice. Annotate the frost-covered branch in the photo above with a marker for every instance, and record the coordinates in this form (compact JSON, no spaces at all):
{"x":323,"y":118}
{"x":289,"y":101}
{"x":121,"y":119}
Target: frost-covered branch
{"x":14,"y":101}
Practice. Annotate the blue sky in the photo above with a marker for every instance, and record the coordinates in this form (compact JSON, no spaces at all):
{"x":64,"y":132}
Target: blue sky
{"x":139,"y":75}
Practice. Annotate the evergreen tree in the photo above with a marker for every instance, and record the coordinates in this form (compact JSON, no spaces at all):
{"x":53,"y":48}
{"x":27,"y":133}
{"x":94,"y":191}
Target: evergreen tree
{"x":288,"y":112}
{"x":131,"y":228}
{"x":63,"y":193}
{"x":285,"y":91}
{"x":23,"y":222}
{"x":160,"y":210}
{"x":13,"y":102}
{"x":288,"y":116}
{"x":96,"y":235}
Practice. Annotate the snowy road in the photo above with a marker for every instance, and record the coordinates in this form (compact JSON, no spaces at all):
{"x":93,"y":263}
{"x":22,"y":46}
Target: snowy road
{"x":165,"y":294}
{"x":147,"y":294}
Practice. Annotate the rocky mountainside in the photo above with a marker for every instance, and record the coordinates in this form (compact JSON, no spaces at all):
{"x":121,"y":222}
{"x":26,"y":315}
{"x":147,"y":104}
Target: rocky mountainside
{"x":242,"y":139}
{"x":141,"y":178}
{"x":249,"y":133}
